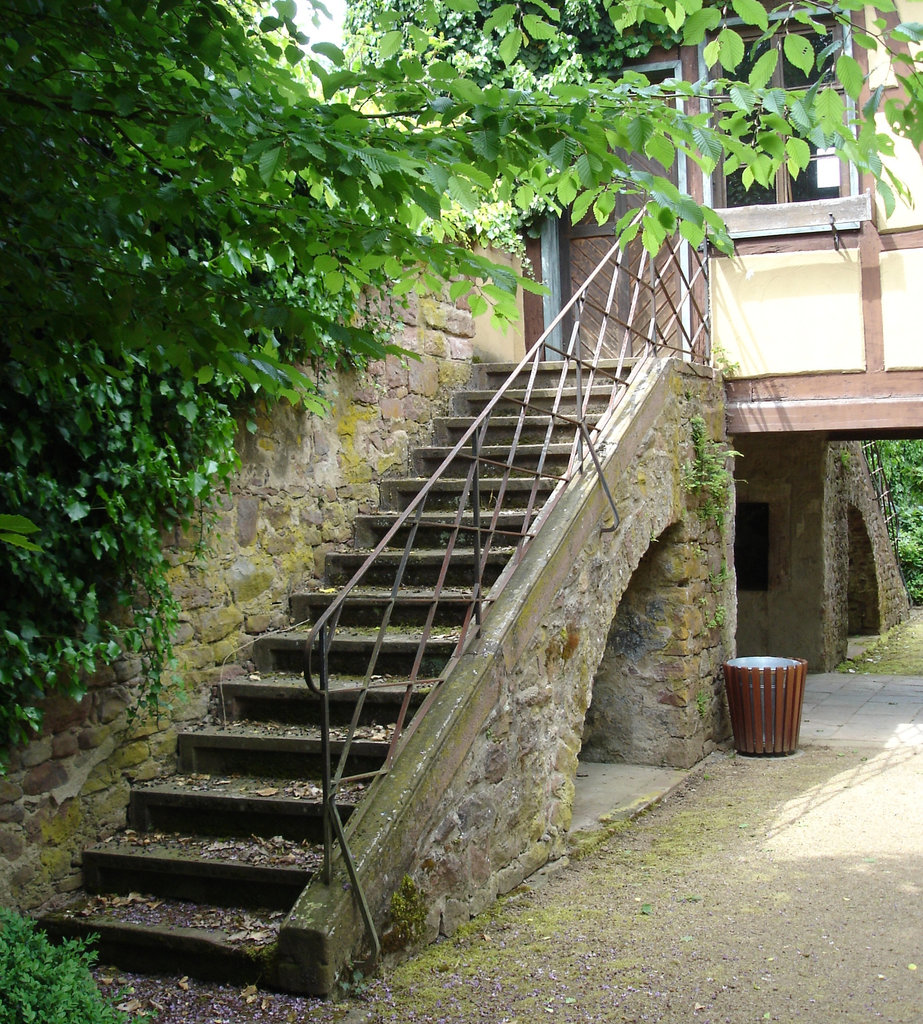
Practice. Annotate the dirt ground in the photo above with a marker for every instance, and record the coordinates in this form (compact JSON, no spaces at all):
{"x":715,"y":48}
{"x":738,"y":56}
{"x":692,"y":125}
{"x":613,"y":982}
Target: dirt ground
{"x":781,"y":889}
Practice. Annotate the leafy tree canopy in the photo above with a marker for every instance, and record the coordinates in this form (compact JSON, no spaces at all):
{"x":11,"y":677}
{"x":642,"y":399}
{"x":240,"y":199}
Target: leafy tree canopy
{"x":573,"y":39}
{"x":195,"y":206}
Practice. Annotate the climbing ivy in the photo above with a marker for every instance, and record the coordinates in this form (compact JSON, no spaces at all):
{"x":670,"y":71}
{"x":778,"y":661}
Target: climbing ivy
{"x":573,"y":40}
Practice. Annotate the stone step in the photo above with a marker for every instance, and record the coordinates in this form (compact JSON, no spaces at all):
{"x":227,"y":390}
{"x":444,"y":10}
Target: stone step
{"x":471,"y":403}
{"x":177,"y":869}
{"x":368,"y":607}
{"x":494,"y":460}
{"x":492,"y":376}
{"x":448,"y":430}
{"x":434,"y":529}
{"x":216,"y":751}
{"x":398,"y":492}
{"x":224,"y":946}
{"x":351,"y":651}
{"x":422,"y":569}
{"x":285,"y":698}
{"x":230,"y":807}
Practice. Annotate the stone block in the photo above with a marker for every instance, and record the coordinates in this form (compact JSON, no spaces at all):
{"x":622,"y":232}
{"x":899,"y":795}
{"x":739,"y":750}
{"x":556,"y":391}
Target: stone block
{"x":219,"y":623}
{"x":36,"y":752}
{"x":11,"y":843}
{"x":248,"y":511}
{"x":9,"y":791}
{"x":65,"y":744}
{"x":44,"y":777}
{"x":93,"y":736}
{"x":130,"y":754}
{"x":247,"y":581}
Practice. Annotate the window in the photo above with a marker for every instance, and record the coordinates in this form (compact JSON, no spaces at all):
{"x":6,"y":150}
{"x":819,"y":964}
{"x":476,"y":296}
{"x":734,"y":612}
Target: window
{"x":826,"y":176}
{"x":751,"y":545}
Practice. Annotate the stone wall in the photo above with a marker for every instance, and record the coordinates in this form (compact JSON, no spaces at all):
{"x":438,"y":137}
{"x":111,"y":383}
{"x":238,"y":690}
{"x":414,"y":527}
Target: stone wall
{"x":302,"y":480}
{"x":481,"y":795}
{"x":826,"y":538}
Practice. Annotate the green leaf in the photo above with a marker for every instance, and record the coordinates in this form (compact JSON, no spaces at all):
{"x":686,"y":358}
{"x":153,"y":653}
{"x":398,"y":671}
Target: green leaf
{"x":390,"y":44}
{"x":707,"y":143}
{"x":538,"y":28}
{"x":763,"y":70}
{"x":799,"y":153}
{"x":660,"y":148}
{"x":270,"y":161}
{"x":731,"y":48}
{"x":77,"y":510}
{"x":17,"y":524}
{"x":604,"y":206}
{"x":463,"y":6}
{"x":500,"y":18}
{"x":798,"y":51}
{"x":751,"y":12}
{"x":510,"y":46}
{"x":742,"y":97}
{"x":850,"y":76}
{"x":830,"y":108}
{"x":909,"y":31}
{"x":699,"y":23}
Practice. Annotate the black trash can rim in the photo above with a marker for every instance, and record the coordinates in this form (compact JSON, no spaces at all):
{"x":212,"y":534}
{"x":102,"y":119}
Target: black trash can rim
{"x":763,"y":662}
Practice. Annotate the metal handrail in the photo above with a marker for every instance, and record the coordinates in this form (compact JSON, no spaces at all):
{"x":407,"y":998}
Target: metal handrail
{"x":666,"y":312}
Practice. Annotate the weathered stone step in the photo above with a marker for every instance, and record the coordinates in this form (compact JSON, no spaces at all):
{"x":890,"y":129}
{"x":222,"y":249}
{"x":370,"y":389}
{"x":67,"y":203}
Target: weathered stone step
{"x":471,"y":403}
{"x":502,"y":429}
{"x":223,"y":947}
{"x":285,"y":698}
{"x":492,"y":376}
{"x":220,"y":751}
{"x":422,"y":569}
{"x":493,"y":461}
{"x":445,"y":493}
{"x":368,"y":607}
{"x":261,"y":807}
{"x":435,"y":529}
{"x":351,"y":651}
{"x":163,"y":869}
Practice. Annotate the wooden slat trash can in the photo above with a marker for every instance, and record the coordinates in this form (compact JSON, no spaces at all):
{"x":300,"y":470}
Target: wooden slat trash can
{"x":765,"y":696}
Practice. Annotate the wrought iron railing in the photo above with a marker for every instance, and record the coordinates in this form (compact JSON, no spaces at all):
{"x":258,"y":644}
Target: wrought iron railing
{"x":882,"y":490}
{"x":629,"y":310}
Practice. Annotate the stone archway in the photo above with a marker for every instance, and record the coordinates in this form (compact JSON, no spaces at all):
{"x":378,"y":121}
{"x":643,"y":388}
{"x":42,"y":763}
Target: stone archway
{"x":649,"y":706}
{"x":863,"y":604}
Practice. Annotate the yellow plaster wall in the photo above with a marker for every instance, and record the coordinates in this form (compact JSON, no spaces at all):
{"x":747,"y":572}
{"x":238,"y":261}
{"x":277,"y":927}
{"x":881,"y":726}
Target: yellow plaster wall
{"x":788,"y":313}
{"x":498,"y":344}
{"x":901,"y":281}
{"x":908,"y":167}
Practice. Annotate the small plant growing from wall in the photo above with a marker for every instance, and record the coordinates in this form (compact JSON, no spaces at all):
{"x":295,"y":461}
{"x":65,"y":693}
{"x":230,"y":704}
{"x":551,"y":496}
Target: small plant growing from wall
{"x":408,"y":916}
{"x":707,"y":475}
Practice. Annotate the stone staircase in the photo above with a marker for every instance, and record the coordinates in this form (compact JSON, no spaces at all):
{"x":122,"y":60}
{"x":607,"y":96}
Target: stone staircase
{"x":215,"y":855}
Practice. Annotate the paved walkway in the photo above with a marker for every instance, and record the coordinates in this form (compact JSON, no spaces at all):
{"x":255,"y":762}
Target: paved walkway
{"x":840,"y":708}
{"x":884,"y":711}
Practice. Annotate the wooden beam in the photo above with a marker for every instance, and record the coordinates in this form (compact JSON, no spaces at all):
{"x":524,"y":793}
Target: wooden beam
{"x":860,"y":405}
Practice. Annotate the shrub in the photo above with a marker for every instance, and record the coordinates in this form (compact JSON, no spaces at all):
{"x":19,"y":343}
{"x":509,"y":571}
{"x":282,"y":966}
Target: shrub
{"x":41,"y":983}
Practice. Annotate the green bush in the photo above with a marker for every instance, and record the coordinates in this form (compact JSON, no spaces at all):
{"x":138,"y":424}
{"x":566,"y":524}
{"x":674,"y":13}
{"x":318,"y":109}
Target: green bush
{"x":41,"y":983}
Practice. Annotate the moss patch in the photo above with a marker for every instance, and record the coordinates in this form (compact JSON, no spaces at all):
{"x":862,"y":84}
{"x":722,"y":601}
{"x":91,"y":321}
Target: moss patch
{"x":899,"y":652}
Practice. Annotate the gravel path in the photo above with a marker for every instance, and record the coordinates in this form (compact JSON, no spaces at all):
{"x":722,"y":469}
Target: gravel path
{"x":762,"y":890}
